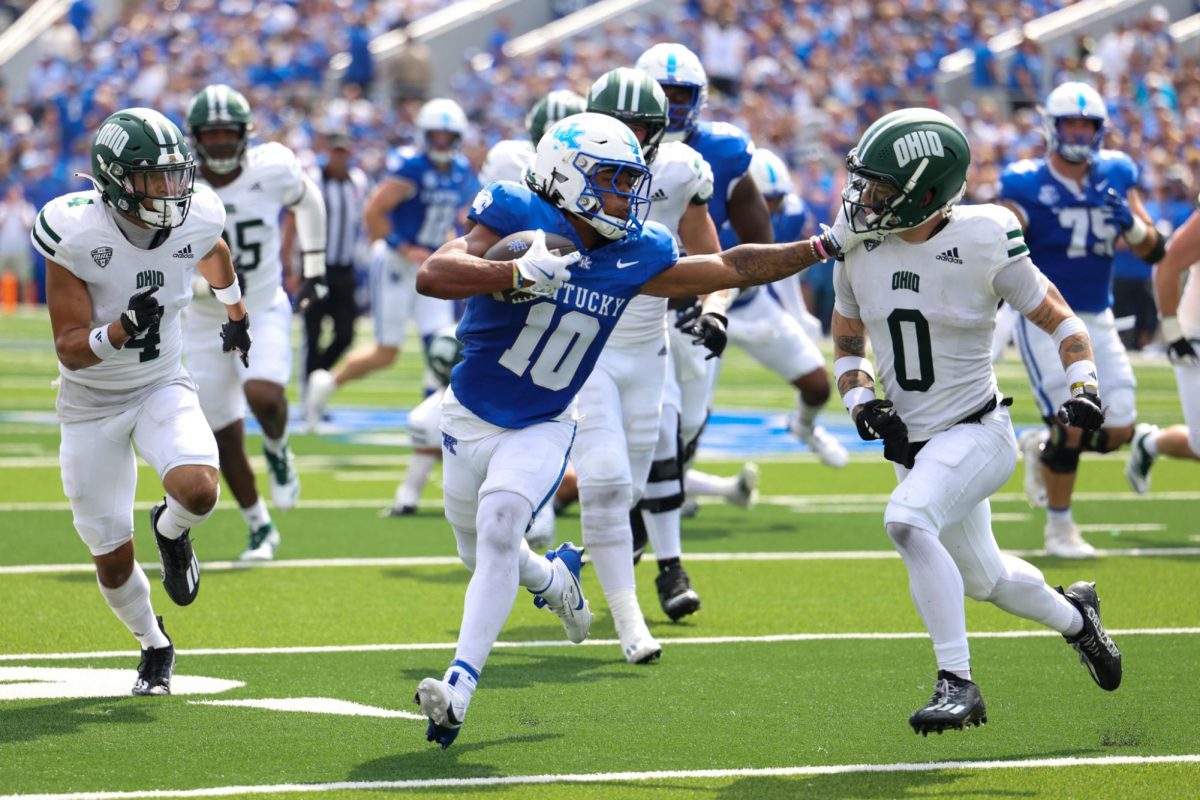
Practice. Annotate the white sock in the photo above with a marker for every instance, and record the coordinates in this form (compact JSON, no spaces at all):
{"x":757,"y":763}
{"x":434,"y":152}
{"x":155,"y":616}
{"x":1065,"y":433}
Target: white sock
{"x":807,"y":414}
{"x":936,"y":587}
{"x":463,"y":677}
{"x":1061,"y":516}
{"x":625,"y":609}
{"x":697,"y":483}
{"x":176,"y":520}
{"x":663,"y":530}
{"x":276,"y":446}
{"x":534,"y":571}
{"x":408,"y":493}
{"x":131,"y":603}
{"x":256,"y":515}
{"x":1150,"y":443}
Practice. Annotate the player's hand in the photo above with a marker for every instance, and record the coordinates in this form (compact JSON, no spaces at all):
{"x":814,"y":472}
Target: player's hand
{"x":709,"y":330}
{"x":1083,"y":411}
{"x":311,"y":289}
{"x":235,"y":338}
{"x":1118,"y":209}
{"x":143,"y":311}
{"x":878,"y":420}
{"x":1180,"y":350}
{"x":844,"y":239}
{"x":545,"y":270}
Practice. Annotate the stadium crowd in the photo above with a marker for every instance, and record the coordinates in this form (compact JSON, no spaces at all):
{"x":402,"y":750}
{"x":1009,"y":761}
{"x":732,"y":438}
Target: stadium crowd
{"x":803,"y":77}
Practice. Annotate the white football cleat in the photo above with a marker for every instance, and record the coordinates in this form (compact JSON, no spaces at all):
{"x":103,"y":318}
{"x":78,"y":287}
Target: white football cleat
{"x":637,"y":645}
{"x":321,"y":387}
{"x":820,"y":441}
{"x":262,"y":544}
{"x":284,"y":480}
{"x":1137,"y":468}
{"x":1032,"y":442}
{"x":565,"y":595}
{"x":445,"y":708}
{"x":745,"y":487}
{"x":1063,"y":540}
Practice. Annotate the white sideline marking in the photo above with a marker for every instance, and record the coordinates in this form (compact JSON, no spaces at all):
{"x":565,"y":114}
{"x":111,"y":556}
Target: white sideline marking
{"x":613,"y":777}
{"x":702,"y":640}
{"x":1123,"y":526}
{"x":311,"y":705}
{"x":446,"y":561}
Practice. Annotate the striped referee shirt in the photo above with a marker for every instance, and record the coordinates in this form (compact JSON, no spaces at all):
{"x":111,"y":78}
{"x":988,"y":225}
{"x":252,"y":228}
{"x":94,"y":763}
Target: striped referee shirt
{"x":344,"y":200}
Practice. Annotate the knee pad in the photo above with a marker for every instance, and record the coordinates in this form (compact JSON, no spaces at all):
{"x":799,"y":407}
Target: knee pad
{"x":665,"y":485}
{"x":603,"y":466}
{"x":1057,"y":456}
{"x":604,"y":513}
{"x":1097,"y":441}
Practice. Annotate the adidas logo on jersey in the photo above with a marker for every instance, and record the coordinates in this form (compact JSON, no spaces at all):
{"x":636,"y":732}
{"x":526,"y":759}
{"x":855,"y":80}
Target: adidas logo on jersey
{"x":950,"y":255}
{"x":186,"y":252}
{"x":255,"y":187}
{"x":659,"y":194}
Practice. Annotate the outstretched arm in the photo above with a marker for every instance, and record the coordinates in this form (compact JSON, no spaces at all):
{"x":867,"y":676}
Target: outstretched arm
{"x":738,"y":267}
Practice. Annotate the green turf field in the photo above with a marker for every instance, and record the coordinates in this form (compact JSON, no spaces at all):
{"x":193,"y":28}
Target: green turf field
{"x":795,"y":680}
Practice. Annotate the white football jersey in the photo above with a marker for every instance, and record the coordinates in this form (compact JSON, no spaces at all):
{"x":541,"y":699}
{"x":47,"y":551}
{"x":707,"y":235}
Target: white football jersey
{"x":78,"y":231}
{"x":679,"y":177}
{"x":271,"y":178}
{"x":930,"y":310}
{"x":507,"y":161}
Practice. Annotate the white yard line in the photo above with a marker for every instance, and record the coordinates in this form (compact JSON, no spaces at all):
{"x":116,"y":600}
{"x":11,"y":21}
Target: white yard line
{"x":443,"y":561}
{"x":621,"y":777}
{"x":696,"y":640}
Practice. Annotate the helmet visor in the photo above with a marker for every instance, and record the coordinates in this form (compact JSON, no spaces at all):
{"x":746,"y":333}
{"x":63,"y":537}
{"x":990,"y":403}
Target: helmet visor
{"x":869,"y":203}
{"x":617,"y":192}
{"x":163,"y":192}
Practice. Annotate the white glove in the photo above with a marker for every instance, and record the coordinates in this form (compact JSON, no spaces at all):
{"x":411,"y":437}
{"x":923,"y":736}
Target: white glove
{"x":844,"y":239}
{"x":387,"y":258}
{"x":547,"y":271}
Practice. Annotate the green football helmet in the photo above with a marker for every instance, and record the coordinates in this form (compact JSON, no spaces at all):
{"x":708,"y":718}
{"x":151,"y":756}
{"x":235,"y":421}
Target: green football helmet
{"x":635,"y":98}
{"x":138,"y":155}
{"x":443,"y":353}
{"x":908,"y":166}
{"x":549,"y":110}
{"x":219,"y":106}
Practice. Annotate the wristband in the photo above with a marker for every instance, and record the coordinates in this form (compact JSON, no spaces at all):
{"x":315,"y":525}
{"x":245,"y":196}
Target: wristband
{"x":1171,"y":329}
{"x":857,"y":396}
{"x":312,"y":263}
{"x":101,"y":345}
{"x":1081,"y":376}
{"x":1137,"y":232}
{"x":850,"y":364}
{"x":819,"y":247}
{"x":229,"y":295}
{"x":1070,"y":326}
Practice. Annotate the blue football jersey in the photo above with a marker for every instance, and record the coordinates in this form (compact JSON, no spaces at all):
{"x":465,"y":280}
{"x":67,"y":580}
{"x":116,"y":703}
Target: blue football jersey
{"x":525,"y":358}
{"x":727,"y":149}
{"x":1069,"y":229}
{"x":788,"y":223}
{"x":428,"y":218}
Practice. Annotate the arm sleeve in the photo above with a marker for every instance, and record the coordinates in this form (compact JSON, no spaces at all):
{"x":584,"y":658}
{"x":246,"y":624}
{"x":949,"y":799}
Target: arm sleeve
{"x":311,"y":227}
{"x":1021,"y":284}
{"x":844,"y":301}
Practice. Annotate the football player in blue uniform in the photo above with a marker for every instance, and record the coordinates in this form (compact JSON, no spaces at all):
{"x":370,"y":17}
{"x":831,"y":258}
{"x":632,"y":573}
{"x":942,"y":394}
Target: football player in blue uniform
{"x":413,"y":211}
{"x":1073,"y":204}
{"x":531,"y":335}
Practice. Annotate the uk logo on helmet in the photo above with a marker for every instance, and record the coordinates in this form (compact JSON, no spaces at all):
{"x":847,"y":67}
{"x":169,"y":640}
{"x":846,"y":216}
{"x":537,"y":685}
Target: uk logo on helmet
{"x":569,"y":135}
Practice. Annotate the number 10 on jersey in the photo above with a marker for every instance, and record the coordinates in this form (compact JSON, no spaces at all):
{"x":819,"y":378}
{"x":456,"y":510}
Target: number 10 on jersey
{"x":565,"y":347}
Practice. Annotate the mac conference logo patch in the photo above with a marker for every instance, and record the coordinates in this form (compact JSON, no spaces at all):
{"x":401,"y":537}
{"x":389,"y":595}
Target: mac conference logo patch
{"x":102,"y":255}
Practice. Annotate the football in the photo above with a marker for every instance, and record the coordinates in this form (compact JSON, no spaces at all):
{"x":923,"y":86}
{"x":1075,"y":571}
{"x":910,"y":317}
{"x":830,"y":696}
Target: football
{"x":514,"y":246}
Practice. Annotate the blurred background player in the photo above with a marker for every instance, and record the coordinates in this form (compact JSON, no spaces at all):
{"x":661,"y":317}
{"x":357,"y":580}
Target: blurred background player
{"x":115,"y":293}
{"x":412,"y":212}
{"x":344,"y":189}
{"x":255,"y":183}
{"x":508,"y":159}
{"x":1073,"y":203}
{"x":1177,"y":285}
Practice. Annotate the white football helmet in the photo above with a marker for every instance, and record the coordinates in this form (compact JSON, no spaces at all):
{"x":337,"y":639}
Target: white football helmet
{"x":770,"y":174}
{"x":1079,"y":101}
{"x":441,"y":114}
{"x":673,"y":64}
{"x":570,"y":155}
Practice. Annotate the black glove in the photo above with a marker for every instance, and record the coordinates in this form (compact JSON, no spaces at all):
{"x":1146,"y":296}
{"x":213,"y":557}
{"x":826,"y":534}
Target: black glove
{"x":879,"y":420}
{"x":144,"y":311}
{"x":1083,"y":411}
{"x":1182,"y":353}
{"x":235,"y":338}
{"x":311,"y":289}
{"x":709,"y":330}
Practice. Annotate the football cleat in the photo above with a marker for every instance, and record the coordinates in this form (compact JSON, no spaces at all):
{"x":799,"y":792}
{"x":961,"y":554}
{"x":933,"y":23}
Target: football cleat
{"x":321,"y":387}
{"x":565,"y":595}
{"x":445,"y":708}
{"x":956,"y":705}
{"x":637,"y":645}
{"x":745,"y":487}
{"x":398,"y":511}
{"x":285,"y":482}
{"x":675,"y":593}
{"x":1032,"y":442}
{"x":155,"y":668}
{"x":1063,"y":540}
{"x":540,"y":535}
{"x":262,"y":544}
{"x":1137,"y":468}
{"x":180,"y":569}
{"x":689,"y":509}
{"x":828,"y":449}
{"x":1096,"y":651}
